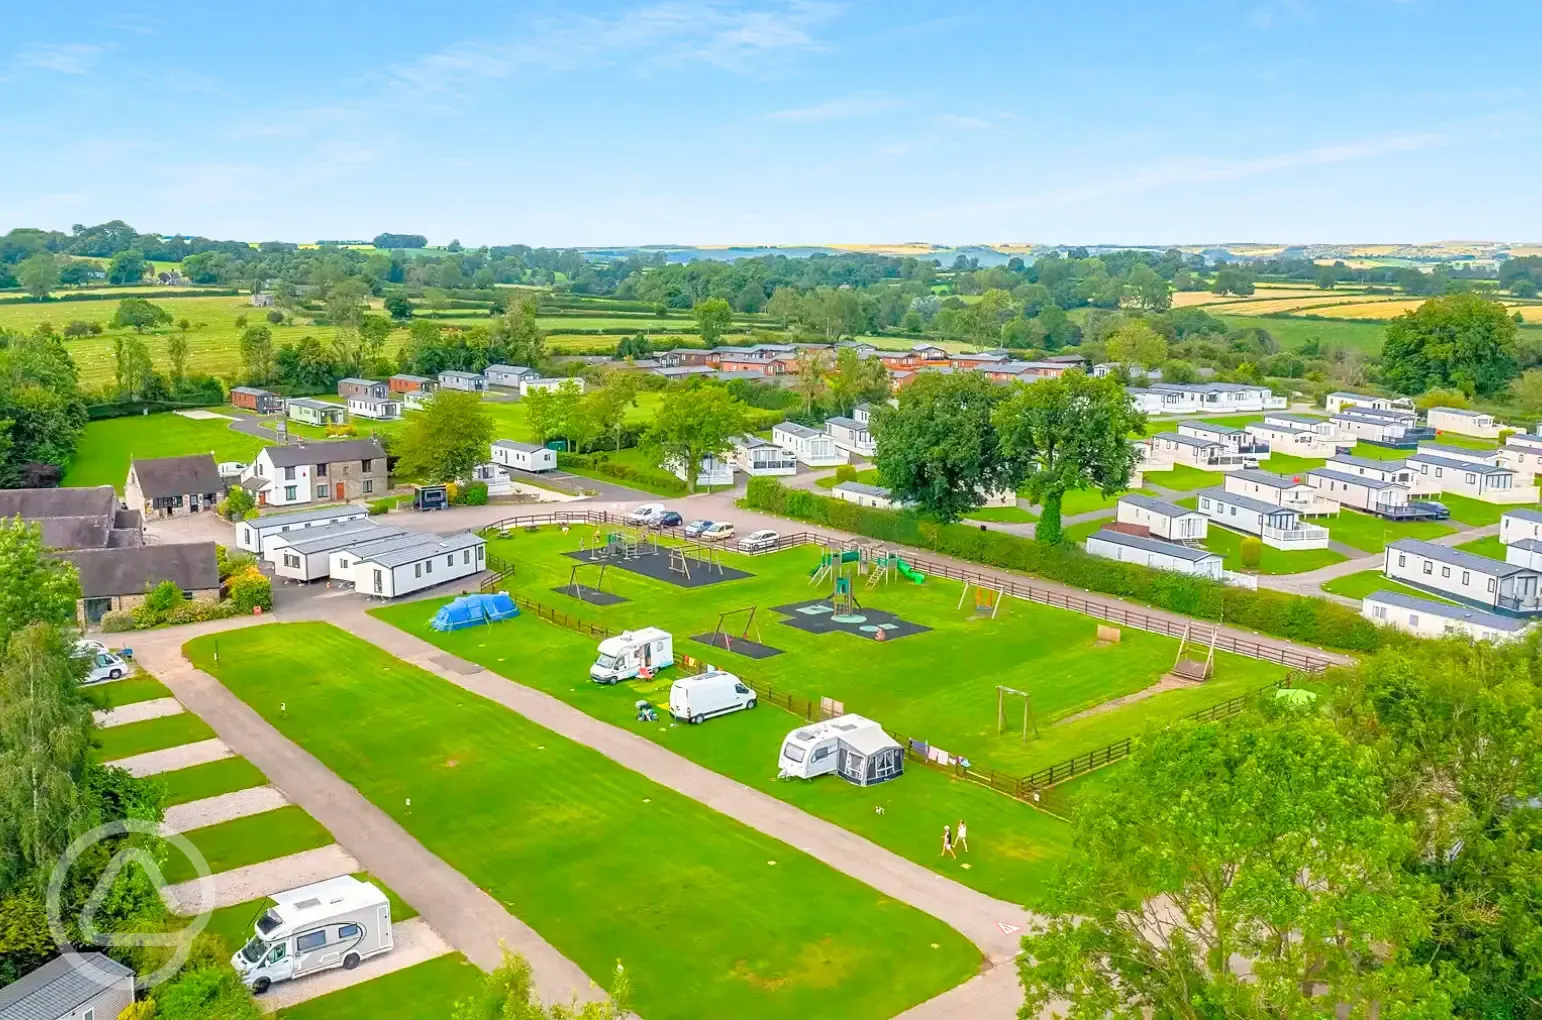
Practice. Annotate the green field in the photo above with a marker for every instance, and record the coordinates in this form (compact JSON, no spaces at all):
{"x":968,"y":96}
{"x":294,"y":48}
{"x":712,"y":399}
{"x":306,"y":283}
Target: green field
{"x":104,"y":452}
{"x":1489,"y":546}
{"x":1358,"y":586}
{"x":151,"y":735}
{"x":1372,"y":533}
{"x":131,"y":689}
{"x":1274,"y":561}
{"x":1364,"y":337}
{"x":709,"y":917}
{"x":250,"y":840}
{"x":210,"y":779}
{"x":424,"y":991}
{"x":1184,"y":479}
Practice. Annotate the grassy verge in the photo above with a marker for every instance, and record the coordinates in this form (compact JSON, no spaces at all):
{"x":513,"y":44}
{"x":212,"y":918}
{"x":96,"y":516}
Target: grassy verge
{"x":1184,"y":478}
{"x":1085,"y":501}
{"x":151,"y":735}
{"x":1489,"y":546}
{"x":424,"y":991}
{"x":1372,"y":533}
{"x":250,"y":840}
{"x":210,"y":779}
{"x":718,"y":919}
{"x":1285,"y":464}
{"x":128,"y":691}
{"x":103,"y":454}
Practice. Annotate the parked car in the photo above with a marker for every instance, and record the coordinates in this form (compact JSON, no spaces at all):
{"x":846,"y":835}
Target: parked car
{"x":106,"y":666}
{"x":695,"y":528}
{"x":755,"y":541}
{"x":717,"y":531}
{"x":669,"y":519}
{"x":647,"y":512}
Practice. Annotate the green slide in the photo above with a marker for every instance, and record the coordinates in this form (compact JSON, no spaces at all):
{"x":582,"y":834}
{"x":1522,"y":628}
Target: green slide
{"x":907,"y":572}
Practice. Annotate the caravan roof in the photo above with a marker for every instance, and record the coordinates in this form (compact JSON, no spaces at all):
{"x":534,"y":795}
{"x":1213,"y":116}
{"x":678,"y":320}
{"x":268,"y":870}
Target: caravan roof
{"x":309,"y":904}
{"x":626,"y":639}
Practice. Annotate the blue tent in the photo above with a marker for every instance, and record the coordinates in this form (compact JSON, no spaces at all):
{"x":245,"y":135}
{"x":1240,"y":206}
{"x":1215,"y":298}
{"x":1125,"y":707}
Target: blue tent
{"x":470,"y":610}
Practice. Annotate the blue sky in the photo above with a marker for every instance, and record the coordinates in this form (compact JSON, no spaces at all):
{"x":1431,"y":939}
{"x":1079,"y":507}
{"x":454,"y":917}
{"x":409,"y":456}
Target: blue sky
{"x":690,"y":121}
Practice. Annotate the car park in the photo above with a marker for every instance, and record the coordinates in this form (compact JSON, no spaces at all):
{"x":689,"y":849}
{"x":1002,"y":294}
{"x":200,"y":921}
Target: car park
{"x":695,"y":528}
{"x":717,"y":531}
{"x":757,"y":541}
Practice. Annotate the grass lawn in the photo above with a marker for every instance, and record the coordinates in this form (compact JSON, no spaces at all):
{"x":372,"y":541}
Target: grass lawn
{"x":1358,"y":586}
{"x":1002,"y":515}
{"x":1078,"y":532}
{"x":151,"y":735}
{"x":867,"y":476}
{"x":1285,"y":464}
{"x":138,"y":687}
{"x":424,"y":991}
{"x":1372,"y":533}
{"x":102,"y":458}
{"x":1465,"y":442}
{"x":210,"y":780}
{"x":1371,"y":451}
{"x":1474,"y":512}
{"x":1489,"y":546}
{"x":250,"y":840}
{"x":710,"y":917}
{"x":1184,"y":478}
{"x":1085,"y":501}
{"x":1275,"y":561}
{"x":234,"y":924}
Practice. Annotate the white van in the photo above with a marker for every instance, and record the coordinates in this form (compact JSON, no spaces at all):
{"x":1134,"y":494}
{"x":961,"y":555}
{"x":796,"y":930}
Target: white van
{"x":336,"y":923}
{"x":625,"y":656}
{"x":697,"y":698}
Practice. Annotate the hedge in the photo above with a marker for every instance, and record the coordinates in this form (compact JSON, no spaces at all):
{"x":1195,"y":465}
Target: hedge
{"x":1298,"y":618}
{"x":599,"y":463}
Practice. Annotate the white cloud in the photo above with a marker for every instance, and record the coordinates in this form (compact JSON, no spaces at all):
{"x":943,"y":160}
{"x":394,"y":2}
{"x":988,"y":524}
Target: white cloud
{"x":670,"y":33}
{"x":845,"y":108}
{"x":65,"y":58}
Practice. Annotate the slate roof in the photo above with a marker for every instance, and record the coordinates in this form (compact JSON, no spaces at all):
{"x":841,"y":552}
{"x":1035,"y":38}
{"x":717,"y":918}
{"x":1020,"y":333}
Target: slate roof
{"x":107,"y":572}
{"x":290,"y":519}
{"x":1154,"y":545}
{"x":1156,"y":506}
{"x":161,"y":477}
{"x":61,"y":986}
{"x":329,"y":452}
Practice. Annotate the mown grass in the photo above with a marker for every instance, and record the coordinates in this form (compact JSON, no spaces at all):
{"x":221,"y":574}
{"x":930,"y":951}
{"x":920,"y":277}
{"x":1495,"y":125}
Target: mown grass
{"x":1372,"y":533}
{"x":1184,"y":478}
{"x":1002,"y":515}
{"x":103,"y":454}
{"x":183,"y":786}
{"x":710,"y":917}
{"x":1358,"y":586}
{"x":250,"y":840}
{"x":150,"y":735}
{"x":1489,"y":546}
{"x":424,"y":991}
{"x":1364,"y":337}
{"x":1273,"y":561}
{"x":129,"y":690}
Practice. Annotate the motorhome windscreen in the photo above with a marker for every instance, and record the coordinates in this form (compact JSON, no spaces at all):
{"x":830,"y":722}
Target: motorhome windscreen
{"x":253,"y":950}
{"x":268,"y":921}
{"x":607,"y":662}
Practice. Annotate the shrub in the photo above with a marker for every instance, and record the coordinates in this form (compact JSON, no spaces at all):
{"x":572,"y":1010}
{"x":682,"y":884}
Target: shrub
{"x":846,"y":473}
{"x":199,"y":611}
{"x":118,"y":621}
{"x":160,"y":600}
{"x":382,"y":505}
{"x":343,"y":431}
{"x":275,"y":316}
{"x":237,"y":505}
{"x":1251,"y":552}
{"x":233,"y":564}
{"x":1309,"y":620}
{"x":251,"y":589}
{"x":476,"y":494}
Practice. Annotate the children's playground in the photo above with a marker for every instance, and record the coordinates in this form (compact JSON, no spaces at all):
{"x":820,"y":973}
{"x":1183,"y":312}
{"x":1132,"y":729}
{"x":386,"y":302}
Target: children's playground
{"x":686,"y":564}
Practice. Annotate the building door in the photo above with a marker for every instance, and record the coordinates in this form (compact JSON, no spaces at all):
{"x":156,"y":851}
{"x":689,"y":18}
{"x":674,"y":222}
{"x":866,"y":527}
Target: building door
{"x":95,"y":609}
{"x":339,"y":489}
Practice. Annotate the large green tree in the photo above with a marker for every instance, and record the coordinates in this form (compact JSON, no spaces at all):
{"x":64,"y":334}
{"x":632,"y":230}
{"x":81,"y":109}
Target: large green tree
{"x":256,"y":349}
{"x":133,"y":368}
{"x":515,"y":338}
{"x":448,"y":439}
{"x":691,"y":425}
{"x":1464,"y":340}
{"x":140,"y":314}
{"x":713,"y":317}
{"x":39,"y":274}
{"x":34,"y":586}
{"x":127,"y":266}
{"x":856,"y":379}
{"x":1136,"y":345}
{"x":42,"y":414}
{"x":1064,"y":434}
{"x":938,"y":449}
{"x":1258,"y":839}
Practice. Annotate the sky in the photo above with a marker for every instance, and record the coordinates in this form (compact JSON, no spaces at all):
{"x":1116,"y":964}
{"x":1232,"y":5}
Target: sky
{"x":778,"y":121}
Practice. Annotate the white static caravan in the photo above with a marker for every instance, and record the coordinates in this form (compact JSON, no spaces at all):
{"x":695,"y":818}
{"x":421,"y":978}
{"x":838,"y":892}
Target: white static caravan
{"x":466,"y":382}
{"x":313,"y":412}
{"x":252,"y":535}
{"x":1383,"y":431}
{"x":863,"y":494}
{"x":850,"y":746}
{"x":851,"y":435}
{"x":507,"y":375}
{"x":1226,"y":398}
{"x":1522,"y":458}
{"x":713,"y":472}
{"x":1297,"y":441}
{"x":342,"y":561}
{"x":757,"y":457}
{"x":523,"y":456}
{"x":1464,"y":576}
{"x":1461,"y":453}
{"x":1341,"y":400}
{"x":308,"y":557}
{"x":400,"y":572}
{"x":1463,"y":422}
{"x":1293,"y":492}
{"x":1321,"y":427}
{"x":1161,"y":518}
{"x":1155,"y":553}
{"x":377,"y":408}
{"x":1429,"y":619}
{"x":1162,"y":401}
{"x":811,"y":447}
{"x":1359,"y":491}
{"x":1204,"y":454}
{"x":534,"y":383}
{"x":336,"y":923}
{"x":1488,"y":482}
{"x":628,"y":654}
{"x":1518,"y":525}
{"x":1278,"y":526}
{"x":1238,"y":441}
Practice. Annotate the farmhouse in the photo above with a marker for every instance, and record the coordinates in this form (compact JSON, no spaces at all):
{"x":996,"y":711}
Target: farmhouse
{"x":1161,"y":518}
{"x":117,"y":579}
{"x":1205,"y":454}
{"x":340,"y":470}
{"x":313,"y":412}
{"x":532,"y":384}
{"x":164,"y":485}
{"x":1292,"y":492}
{"x":863,"y":494}
{"x":257,"y":534}
{"x":1463,"y":422}
{"x":506,"y":375}
{"x":756,"y":457}
{"x":1275,"y":525}
{"x":1430,"y":619}
{"x":74,"y":986}
{"x":373,"y":408}
{"x":851,"y":435}
{"x":260,"y":401}
{"x":466,"y":382}
{"x":432,"y":560}
{"x":1151,"y":552}
{"x":370,"y":388}
{"x":811,"y":447}
{"x":523,"y":456}
{"x":1464,"y":576}
{"x":404,"y":383}
{"x":1488,"y":482}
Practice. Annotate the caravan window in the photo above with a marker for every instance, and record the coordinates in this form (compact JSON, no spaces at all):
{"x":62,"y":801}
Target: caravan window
{"x":310,"y":940}
{"x":792,"y":752}
{"x":822,"y":752}
{"x":349,"y":931}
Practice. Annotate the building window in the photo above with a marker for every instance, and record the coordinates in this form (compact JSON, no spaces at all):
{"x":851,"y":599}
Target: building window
{"x":1402,"y":560}
{"x":466,"y":557}
{"x":1380,"y":612}
{"x":291,"y":560}
{"x":321,"y":492}
{"x":366,"y":465}
{"x":1429,"y":566}
{"x":1491,"y":584}
{"x":449,"y":560}
{"x":321,"y":470}
{"x":369,"y":486}
{"x":290,"y":493}
{"x":1445,"y":571}
{"x":1472,"y":479}
{"x":428,"y":566}
{"x":1413,"y":619}
{"x":1466,"y":577}
{"x":289,"y":474}
{"x":417,"y":570}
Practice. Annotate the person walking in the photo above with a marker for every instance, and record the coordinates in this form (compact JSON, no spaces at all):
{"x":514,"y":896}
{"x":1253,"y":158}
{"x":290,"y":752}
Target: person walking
{"x":947,"y":843}
{"x":961,"y":839}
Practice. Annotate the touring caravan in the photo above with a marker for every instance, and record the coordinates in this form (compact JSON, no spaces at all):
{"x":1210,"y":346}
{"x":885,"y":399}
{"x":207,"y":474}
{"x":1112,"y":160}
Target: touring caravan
{"x":330,"y":924}
{"x":626,"y":656}
{"x":850,"y":746}
{"x":698,"y":698}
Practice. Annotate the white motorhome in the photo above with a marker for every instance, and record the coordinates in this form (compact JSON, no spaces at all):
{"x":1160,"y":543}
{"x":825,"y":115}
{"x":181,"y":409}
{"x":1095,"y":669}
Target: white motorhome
{"x":851,"y":746}
{"x":336,"y":923}
{"x":697,"y":698}
{"x":625,"y":657}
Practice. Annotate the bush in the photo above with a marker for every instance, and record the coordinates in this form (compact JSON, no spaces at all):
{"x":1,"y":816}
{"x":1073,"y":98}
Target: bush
{"x":249,"y":590}
{"x":1308,"y":620}
{"x":343,"y":431}
{"x":199,"y":611}
{"x":160,"y":600}
{"x":846,"y":473}
{"x":233,"y":564}
{"x":236,"y":506}
{"x":275,"y":316}
{"x":382,"y":505}
{"x":476,"y":494}
{"x":1251,"y":552}
{"x":118,"y":621}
